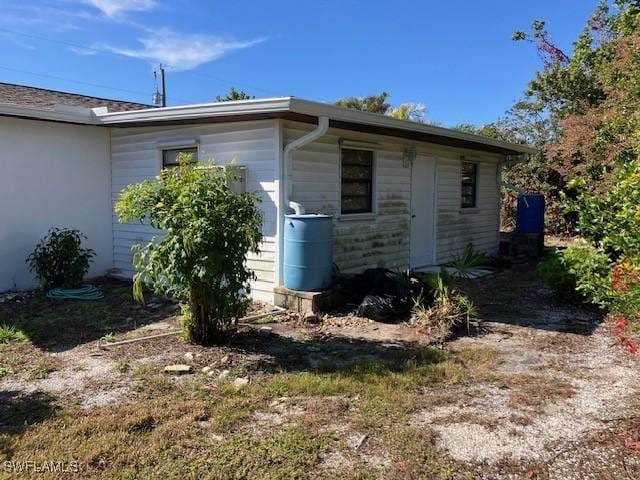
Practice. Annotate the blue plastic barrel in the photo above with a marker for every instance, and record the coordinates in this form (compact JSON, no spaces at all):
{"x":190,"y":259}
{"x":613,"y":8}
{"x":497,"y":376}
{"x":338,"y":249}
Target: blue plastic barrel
{"x":530,"y":214}
{"x":307,"y":252}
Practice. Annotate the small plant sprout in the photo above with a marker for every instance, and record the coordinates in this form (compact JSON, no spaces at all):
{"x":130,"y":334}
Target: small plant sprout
{"x":10,"y":334}
{"x":123,"y":365}
{"x":109,"y":338}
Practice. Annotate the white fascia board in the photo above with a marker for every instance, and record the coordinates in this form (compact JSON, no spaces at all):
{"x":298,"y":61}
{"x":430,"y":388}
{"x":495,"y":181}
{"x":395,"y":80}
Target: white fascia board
{"x":76,"y":115}
{"x":204,"y":110}
{"x":307,"y":107}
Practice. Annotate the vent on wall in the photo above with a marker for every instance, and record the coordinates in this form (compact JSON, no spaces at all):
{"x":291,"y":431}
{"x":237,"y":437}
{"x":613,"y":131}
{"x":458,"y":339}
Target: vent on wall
{"x":239,"y":183}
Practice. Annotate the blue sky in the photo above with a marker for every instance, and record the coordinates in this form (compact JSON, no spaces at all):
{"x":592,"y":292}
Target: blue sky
{"x":455,"y":56}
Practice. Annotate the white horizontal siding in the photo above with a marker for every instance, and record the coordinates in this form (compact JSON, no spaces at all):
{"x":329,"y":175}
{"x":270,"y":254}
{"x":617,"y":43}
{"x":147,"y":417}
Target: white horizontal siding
{"x":378,"y":240}
{"x":135,"y":156}
{"x":382,"y":239}
{"x":458,"y":227}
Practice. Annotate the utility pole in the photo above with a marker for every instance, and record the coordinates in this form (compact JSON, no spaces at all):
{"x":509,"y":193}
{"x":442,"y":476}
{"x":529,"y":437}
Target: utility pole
{"x":164,"y":87}
{"x":160,"y":99}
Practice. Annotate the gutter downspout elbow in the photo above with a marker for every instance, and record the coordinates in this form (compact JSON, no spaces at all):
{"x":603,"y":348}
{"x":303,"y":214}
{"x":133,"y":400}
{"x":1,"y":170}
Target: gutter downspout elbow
{"x":319,"y":131}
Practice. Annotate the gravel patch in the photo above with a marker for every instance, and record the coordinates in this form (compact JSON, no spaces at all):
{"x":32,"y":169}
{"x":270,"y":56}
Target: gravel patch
{"x":604,"y":380}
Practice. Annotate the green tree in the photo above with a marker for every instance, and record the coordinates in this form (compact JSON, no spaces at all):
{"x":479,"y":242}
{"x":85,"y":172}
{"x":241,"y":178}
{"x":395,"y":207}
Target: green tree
{"x":566,"y":86}
{"x":201,"y":259}
{"x":370,"y":103}
{"x":234,"y":95}
{"x":592,"y":101}
{"x":409,"y":111}
{"x":380,"y":104}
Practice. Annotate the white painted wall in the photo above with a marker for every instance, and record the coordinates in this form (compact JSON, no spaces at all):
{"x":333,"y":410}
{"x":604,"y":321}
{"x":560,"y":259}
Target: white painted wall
{"x":136,"y":156}
{"x":51,"y":174}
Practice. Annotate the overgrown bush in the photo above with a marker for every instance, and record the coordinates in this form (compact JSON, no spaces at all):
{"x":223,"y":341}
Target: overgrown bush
{"x":448,"y":311}
{"x":611,"y":219}
{"x":580,"y":271}
{"x":59,"y":260}
{"x":201,"y":259}
{"x":625,"y":291}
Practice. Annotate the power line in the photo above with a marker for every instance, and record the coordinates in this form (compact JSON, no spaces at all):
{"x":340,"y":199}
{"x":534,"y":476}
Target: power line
{"x":79,"y":82}
{"x":117,"y":54}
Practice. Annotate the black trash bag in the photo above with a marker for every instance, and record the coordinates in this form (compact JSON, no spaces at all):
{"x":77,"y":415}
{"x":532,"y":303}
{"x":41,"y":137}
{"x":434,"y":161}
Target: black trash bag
{"x":373,"y":281}
{"x":384,"y":308}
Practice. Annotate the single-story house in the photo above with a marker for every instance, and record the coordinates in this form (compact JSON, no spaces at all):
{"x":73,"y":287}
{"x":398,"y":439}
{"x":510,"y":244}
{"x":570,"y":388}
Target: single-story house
{"x":402,"y":194}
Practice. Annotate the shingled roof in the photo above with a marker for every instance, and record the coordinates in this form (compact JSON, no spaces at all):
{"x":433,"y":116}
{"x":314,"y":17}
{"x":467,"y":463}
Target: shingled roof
{"x":44,"y":98}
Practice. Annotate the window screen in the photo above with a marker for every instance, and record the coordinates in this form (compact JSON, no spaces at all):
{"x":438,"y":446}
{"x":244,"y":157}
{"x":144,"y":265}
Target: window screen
{"x":357,"y":181}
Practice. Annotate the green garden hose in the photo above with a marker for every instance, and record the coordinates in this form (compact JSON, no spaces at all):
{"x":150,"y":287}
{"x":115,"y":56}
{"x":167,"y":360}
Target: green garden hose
{"x":86,"y":292}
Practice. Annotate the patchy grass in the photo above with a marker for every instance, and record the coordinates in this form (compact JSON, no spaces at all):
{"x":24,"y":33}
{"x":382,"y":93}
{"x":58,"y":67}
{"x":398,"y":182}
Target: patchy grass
{"x":307,"y":399}
{"x":41,"y":369}
{"x":62,"y":324}
{"x":416,"y":457}
{"x":10,"y":334}
{"x":5,"y":372}
{"x":188,"y":427}
{"x":536,"y":392}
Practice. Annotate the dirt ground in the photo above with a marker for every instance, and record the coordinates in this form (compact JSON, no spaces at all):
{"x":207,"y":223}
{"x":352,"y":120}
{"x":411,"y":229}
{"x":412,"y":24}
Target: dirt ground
{"x":543,"y":391}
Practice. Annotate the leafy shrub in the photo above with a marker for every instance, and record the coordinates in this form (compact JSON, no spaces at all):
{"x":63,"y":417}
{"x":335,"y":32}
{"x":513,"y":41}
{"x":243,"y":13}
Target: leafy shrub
{"x":579,"y":270}
{"x":611,"y":219}
{"x":555,"y":274}
{"x":625,"y":290}
{"x":450,"y":309}
{"x":591,"y":268}
{"x":59,"y":260}
{"x":201,"y":259}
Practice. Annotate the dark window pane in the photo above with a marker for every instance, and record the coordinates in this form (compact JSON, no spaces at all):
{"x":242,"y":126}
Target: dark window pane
{"x":356,"y":205}
{"x":352,"y":172}
{"x":355,"y":188}
{"x":357,"y":157}
{"x":170,"y":156}
{"x":357,"y":181}
{"x":467,"y":190}
{"x":469,"y":180}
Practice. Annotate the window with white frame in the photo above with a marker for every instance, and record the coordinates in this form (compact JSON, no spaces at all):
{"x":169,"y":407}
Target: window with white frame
{"x":170,"y":155}
{"x":356,"y":187}
{"x":469,"y":178}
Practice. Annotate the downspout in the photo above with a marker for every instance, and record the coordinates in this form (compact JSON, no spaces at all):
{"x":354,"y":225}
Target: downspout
{"x":287,"y":188}
{"x":320,"y":130}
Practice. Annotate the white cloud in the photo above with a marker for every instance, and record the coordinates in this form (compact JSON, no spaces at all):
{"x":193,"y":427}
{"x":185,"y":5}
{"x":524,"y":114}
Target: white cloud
{"x":85,"y":52}
{"x":114,"y":8}
{"x":181,"y":51}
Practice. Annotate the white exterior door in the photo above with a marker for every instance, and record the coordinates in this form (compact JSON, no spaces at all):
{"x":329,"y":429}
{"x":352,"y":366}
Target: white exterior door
{"x":423,"y":178}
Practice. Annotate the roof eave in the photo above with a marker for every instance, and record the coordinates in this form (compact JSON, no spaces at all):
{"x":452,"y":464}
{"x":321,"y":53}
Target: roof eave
{"x":78,"y":116}
{"x":349,"y":116}
{"x":204,"y":111}
{"x":282,"y":107}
